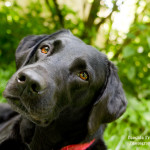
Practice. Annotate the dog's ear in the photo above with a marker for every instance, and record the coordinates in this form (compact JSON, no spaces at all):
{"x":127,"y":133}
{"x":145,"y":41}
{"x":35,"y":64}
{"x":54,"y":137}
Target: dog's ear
{"x":26,"y":48}
{"x":111,"y":104}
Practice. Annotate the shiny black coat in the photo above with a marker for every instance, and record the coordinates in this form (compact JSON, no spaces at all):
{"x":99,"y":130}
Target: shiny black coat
{"x":58,"y":106}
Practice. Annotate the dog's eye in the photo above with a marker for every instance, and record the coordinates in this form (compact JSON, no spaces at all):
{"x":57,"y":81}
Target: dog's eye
{"x":45,"y":49}
{"x":83,"y":75}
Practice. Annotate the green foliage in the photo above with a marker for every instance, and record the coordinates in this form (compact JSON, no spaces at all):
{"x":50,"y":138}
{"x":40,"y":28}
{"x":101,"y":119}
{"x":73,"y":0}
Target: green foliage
{"x":6,"y":72}
{"x":17,"y":23}
{"x":135,"y":122}
{"x":129,"y":51}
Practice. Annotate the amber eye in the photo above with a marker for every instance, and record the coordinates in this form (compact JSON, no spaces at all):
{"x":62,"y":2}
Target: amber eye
{"x":83,"y":75}
{"x":45,"y":49}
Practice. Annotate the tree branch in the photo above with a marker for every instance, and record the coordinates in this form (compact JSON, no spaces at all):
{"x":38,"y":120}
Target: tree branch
{"x":115,"y":8}
{"x":90,"y":21}
{"x":60,"y":16}
{"x":50,"y":9}
{"x":48,"y":5}
{"x":127,"y":40}
{"x":58,"y":12}
{"x":103,"y":20}
{"x":93,"y":13}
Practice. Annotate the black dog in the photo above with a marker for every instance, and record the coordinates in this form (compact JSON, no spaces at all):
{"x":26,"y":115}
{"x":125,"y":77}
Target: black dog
{"x":66,"y":92}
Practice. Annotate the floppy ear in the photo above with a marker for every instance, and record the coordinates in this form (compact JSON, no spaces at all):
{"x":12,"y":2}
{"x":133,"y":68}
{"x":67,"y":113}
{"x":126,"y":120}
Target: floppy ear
{"x":111,"y":104}
{"x":26,"y":49}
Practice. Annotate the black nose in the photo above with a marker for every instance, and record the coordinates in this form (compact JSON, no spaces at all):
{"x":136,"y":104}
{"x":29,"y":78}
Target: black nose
{"x":32,"y":80}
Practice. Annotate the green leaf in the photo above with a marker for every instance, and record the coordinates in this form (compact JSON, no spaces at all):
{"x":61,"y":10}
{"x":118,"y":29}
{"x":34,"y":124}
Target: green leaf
{"x":131,"y":72}
{"x":128,"y":51}
{"x":131,"y":36}
{"x":146,"y":116}
{"x":148,"y":41}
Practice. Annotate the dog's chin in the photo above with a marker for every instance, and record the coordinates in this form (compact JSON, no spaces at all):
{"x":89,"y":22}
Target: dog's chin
{"x":21,"y":109}
{"x":38,"y":121}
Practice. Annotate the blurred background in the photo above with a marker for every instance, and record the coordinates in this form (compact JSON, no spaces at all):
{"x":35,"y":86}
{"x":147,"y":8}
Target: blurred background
{"x":118,"y":28}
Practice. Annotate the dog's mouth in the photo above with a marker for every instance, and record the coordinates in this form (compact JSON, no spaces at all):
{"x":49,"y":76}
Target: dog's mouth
{"x":16,"y":104}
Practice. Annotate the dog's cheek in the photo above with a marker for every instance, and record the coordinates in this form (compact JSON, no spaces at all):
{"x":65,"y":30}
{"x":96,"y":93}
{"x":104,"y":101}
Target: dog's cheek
{"x":60,"y":99}
{"x":80,"y":96}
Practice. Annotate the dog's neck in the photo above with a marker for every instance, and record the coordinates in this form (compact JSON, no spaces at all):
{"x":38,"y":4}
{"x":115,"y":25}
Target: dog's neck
{"x":63,"y":131}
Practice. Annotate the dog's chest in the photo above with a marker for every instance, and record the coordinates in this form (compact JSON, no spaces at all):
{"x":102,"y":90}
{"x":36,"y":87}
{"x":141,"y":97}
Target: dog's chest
{"x":59,"y":134}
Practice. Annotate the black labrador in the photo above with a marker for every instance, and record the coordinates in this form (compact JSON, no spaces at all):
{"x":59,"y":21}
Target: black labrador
{"x":65,"y":90}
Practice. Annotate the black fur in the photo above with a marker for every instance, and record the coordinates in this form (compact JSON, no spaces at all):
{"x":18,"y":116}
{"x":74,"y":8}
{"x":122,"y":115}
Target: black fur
{"x":57,"y":106}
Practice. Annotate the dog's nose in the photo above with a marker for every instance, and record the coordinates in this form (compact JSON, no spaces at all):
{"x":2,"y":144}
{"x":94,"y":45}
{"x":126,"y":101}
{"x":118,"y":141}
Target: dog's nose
{"x":32,"y":80}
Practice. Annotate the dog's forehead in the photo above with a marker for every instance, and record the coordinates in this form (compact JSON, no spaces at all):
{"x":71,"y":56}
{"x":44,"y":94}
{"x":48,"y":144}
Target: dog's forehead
{"x":66,"y":39}
{"x":74,"y":46}
{"x":70,"y":47}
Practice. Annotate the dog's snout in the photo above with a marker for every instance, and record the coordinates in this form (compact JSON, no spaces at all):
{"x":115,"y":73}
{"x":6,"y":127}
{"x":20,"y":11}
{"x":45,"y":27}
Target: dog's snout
{"x":32,"y":80}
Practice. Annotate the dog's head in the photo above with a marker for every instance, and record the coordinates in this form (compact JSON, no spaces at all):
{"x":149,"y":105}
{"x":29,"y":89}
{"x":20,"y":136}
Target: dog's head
{"x":59,"y":71}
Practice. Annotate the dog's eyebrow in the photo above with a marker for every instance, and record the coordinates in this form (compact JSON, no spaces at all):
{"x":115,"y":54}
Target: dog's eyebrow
{"x":57,"y":45}
{"x":78,"y":64}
